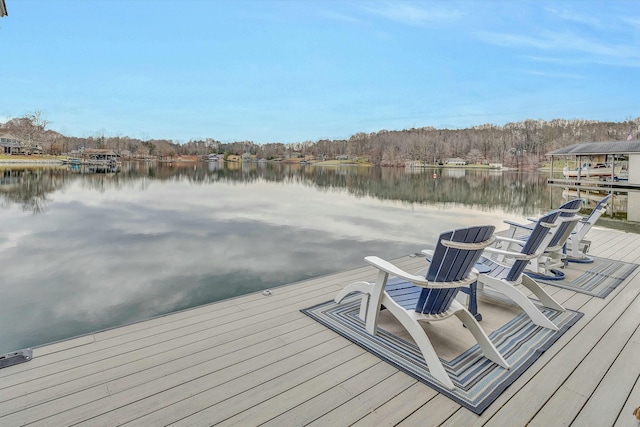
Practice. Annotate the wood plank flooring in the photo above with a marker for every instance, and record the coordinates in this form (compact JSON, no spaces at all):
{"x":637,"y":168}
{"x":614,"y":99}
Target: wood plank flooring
{"x":257,"y":360}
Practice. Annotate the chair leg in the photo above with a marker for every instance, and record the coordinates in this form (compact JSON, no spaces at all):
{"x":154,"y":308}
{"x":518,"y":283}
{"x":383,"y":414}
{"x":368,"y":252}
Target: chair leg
{"x":420,"y":337}
{"x":488,"y":349}
{"x":546,"y":299}
{"x":572,"y":247}
{"x":363,"y":287}
{"x":534,"y":265}
{"x":375,"y":302}
{"x":525,"y":303}
{"x":472,"y":300}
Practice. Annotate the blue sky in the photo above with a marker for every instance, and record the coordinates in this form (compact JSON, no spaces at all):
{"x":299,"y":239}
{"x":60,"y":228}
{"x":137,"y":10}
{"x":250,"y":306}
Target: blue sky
{"x":287,"y":71}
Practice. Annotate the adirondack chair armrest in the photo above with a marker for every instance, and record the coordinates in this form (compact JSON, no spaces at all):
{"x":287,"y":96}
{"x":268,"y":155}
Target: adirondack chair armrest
{"x":469,"y":246}
{"x":427,"y":252}
{"x":461,"y":245}
{"x":517,"y":225}
{"x":510,"y":240}
{"x":532,"y":226}
{"x":571,"y":218}
{"x":567,"y":210}
{"x":387,"y":267}
{"x":510,"y":254}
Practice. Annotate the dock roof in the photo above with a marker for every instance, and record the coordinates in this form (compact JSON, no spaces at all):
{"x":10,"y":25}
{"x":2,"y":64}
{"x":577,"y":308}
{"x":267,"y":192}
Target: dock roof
{"x":104,"y":151}
{"x":3,"y":8}
{"x":598,"y":148}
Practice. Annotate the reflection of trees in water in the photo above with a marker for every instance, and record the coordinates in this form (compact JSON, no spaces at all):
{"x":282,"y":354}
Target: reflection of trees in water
{"x":29,"y":187}
{"x":522,"y":193}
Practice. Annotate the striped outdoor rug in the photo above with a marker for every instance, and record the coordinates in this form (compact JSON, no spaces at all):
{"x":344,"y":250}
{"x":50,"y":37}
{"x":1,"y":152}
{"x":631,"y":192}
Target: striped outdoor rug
{"x":597,"y":279}
{"x":478,"y":381}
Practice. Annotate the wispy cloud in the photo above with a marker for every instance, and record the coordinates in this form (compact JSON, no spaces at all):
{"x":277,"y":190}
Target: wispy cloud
{"x":555,"y":75}
{"x":514,"y":40}
{"x":572,"y":16}
{"x":546,"y":59}
{"x":410,"y":14}
{"x":633,"y":21}
{"x":567,"y":43}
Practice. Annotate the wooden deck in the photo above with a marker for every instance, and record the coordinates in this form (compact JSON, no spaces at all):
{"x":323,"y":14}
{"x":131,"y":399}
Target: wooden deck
{"x":257,"y":360}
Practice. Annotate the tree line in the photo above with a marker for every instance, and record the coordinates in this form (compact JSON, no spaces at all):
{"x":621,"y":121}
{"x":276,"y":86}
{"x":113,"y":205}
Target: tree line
{"x":517,"y":144}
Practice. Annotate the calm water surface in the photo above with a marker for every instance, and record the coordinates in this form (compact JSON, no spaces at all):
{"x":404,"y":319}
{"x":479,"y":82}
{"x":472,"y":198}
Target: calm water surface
{"x":81,"y":252}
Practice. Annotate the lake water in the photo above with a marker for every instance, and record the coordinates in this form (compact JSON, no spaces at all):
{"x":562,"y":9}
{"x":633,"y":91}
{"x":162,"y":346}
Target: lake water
{"x":81,"y":252}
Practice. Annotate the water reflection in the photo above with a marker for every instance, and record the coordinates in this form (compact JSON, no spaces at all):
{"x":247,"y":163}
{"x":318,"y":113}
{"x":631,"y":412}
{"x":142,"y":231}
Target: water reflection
{"x":109,"y":248}
{"x":522,"y":193}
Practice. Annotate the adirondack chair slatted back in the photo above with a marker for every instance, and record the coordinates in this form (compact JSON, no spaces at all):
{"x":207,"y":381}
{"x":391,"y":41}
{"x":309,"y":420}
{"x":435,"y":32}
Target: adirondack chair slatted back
{"x":583,"y":227}
{"x":449,"y":265}
{"x":533,"y":243}
{"x":565,"y":228}
{"x":599,"y":209}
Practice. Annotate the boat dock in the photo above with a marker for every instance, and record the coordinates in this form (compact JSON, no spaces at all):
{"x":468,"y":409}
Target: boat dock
{"x":257,"y":359}
{"x":593,"y":184}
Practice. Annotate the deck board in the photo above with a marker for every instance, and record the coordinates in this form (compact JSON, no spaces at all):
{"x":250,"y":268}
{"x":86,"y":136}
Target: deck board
{"x":625,"y":418}
{"x":587,"y":376}
{"x":368,"y":387}
{"x":256,"y":359}
{"x":524,"y":398}
{"x":614,"y":389}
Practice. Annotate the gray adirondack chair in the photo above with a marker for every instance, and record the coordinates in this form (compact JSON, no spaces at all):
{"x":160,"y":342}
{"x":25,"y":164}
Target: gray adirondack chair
{"x":553,"y":257}
{"x":577,"y":246}
{"x":507,"y":275}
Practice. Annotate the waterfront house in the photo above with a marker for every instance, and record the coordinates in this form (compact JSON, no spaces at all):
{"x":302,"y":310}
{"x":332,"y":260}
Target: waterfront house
{"x":10,"y":144}
{"x":456,"y":162}
{"x":13,"y":145}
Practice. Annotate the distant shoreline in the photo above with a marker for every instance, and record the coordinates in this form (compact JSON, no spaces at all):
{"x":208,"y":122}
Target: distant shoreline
{"x":31,"y":161}
{"x":35,"y":160}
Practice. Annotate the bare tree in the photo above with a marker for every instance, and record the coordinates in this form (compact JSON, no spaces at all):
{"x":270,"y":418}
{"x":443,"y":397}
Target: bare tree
{"x":30,"y":129}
